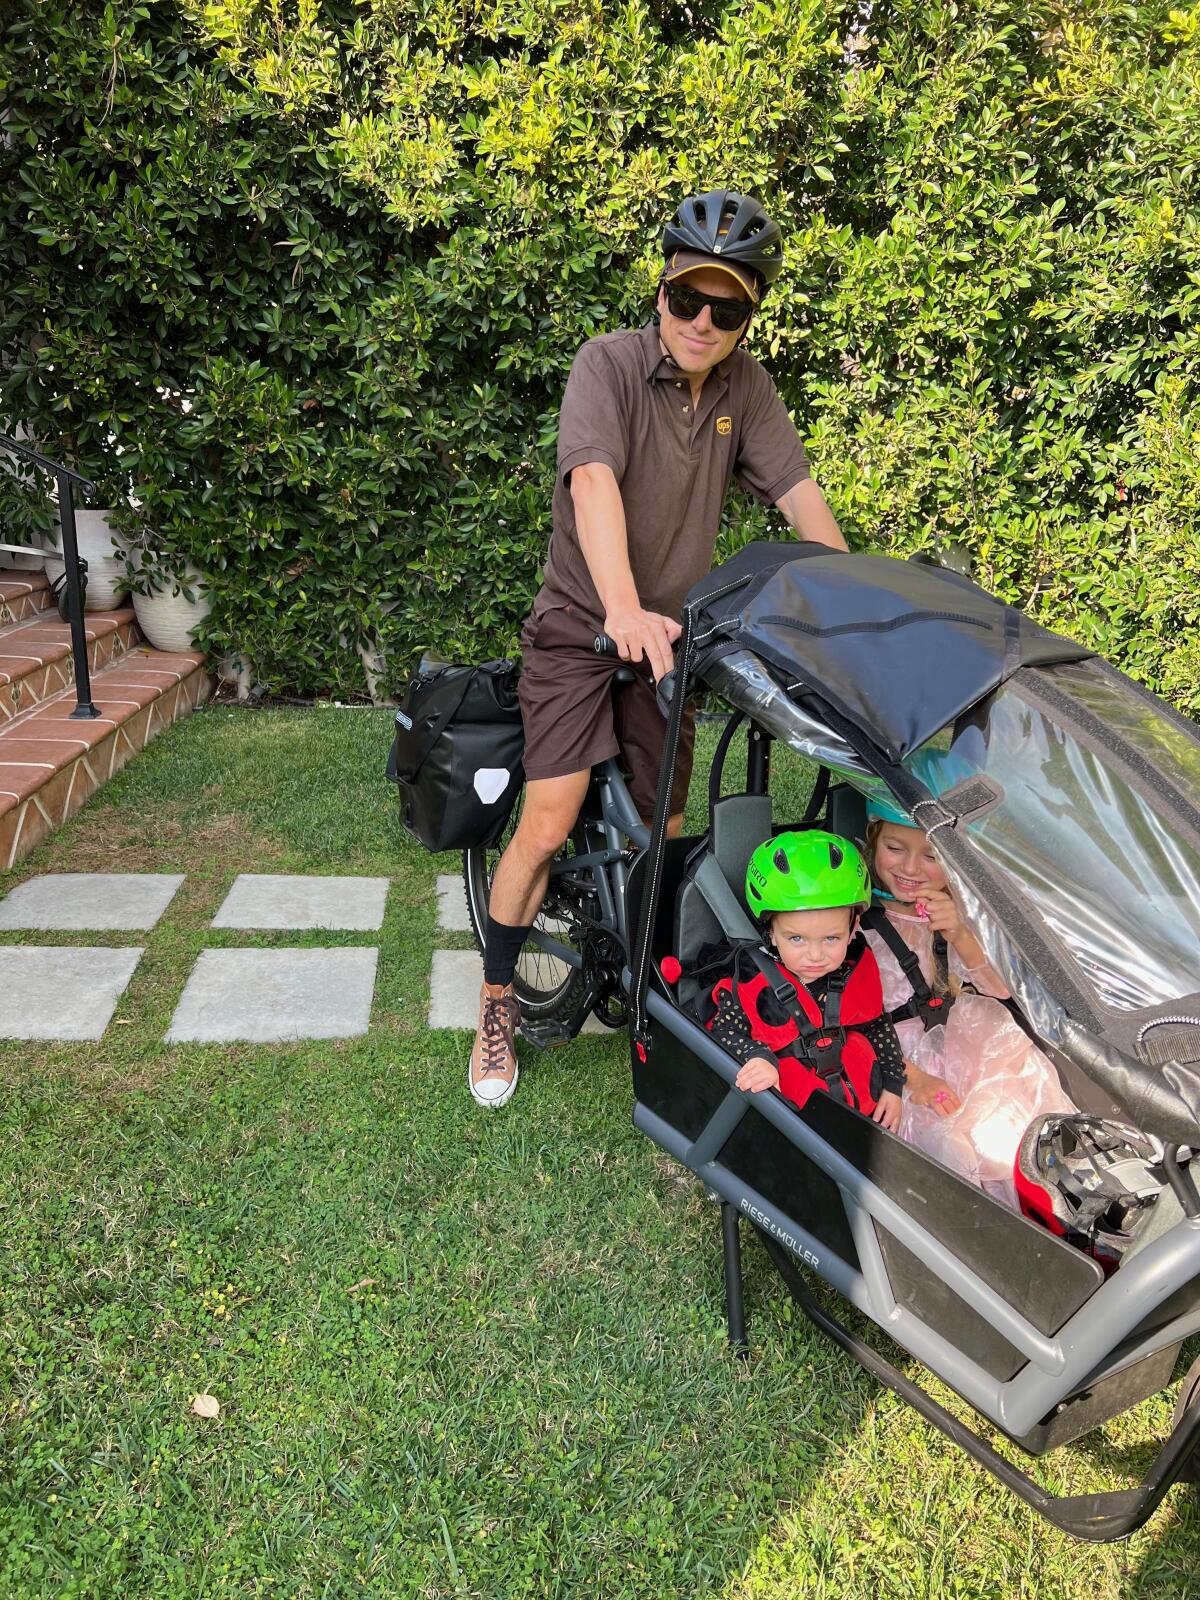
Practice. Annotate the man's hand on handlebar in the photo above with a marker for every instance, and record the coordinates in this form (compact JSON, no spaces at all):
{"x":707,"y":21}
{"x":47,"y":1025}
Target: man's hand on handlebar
{"x":638,"y":633}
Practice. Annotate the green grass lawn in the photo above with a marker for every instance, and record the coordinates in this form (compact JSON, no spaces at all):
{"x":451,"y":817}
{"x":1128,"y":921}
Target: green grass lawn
{"x":457,"y":1353}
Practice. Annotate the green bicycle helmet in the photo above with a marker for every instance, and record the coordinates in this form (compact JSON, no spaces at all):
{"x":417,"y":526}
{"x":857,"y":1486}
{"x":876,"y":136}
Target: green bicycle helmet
{"x":812,"y":871}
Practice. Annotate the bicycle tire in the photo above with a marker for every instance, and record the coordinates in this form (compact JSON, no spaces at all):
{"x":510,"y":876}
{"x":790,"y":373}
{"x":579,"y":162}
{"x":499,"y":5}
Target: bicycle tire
{"x":546,"y":987}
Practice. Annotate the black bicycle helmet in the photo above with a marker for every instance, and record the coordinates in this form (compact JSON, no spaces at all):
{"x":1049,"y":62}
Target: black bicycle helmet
{"x":731,"y":226}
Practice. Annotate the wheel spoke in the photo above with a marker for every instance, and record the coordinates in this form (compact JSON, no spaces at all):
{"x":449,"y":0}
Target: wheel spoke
{"x":545,"y":983}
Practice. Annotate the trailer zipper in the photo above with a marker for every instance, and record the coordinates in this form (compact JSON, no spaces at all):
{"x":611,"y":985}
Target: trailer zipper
{"x":1162,"y":1022}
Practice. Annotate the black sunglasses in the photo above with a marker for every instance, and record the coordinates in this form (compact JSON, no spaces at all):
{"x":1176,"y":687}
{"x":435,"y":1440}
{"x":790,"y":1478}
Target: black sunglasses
{"x":687,"y":303}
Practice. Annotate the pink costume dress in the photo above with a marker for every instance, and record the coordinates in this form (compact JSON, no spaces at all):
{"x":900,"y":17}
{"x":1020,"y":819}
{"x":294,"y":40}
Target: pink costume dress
{"x":999,"y":1074}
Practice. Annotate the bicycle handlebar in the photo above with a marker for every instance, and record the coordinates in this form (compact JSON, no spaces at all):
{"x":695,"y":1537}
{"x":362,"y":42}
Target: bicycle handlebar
{"x":604,"y":646}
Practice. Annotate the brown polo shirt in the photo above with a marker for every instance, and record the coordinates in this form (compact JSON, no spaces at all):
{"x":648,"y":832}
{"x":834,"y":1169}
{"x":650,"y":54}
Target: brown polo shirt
{"x":626,"y":406}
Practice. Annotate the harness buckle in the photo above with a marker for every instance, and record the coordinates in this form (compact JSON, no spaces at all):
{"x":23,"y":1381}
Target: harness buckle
{"x":934,"y":1010}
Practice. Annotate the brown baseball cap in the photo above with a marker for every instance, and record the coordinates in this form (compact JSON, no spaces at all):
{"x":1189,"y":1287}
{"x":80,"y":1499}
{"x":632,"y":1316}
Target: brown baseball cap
{"x":685,"y":261}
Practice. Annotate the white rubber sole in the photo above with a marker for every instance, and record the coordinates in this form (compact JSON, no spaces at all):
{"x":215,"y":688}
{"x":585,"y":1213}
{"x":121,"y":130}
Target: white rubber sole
{"x":492,"y":1102}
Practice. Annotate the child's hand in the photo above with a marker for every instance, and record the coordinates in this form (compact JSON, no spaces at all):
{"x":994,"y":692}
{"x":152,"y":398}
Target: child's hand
{"x":758,"y":1074}
{"x":923,"y":1089}
{"x":887,"y":1111}
{"x":941,"y":913}
{"x":945,"y":918}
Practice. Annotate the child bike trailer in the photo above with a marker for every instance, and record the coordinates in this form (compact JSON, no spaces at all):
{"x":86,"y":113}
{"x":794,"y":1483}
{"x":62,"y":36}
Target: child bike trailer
{"x":1064,"y":803}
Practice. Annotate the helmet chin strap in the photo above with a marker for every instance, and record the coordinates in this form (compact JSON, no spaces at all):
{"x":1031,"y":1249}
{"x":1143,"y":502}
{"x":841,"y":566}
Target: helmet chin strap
{"x":656,"y":318}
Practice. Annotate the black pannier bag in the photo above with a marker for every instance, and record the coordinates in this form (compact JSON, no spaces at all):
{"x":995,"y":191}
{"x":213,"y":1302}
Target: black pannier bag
{"x":456,"y":754}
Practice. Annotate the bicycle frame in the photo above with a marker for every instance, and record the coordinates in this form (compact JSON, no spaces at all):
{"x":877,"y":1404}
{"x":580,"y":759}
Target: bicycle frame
{"x":610,"y":824}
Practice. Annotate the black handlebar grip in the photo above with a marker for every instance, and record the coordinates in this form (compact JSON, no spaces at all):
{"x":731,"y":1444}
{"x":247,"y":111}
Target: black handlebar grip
{"x":605,"y":646}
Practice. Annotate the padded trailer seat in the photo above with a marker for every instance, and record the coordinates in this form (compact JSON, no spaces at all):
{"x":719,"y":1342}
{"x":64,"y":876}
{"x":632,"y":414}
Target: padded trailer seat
{"x":710,"y":906}
{"x":846,"y":812}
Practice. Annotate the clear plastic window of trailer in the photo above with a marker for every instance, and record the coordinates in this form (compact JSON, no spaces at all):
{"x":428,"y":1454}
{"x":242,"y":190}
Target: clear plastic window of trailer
{"x":1083,"y":837}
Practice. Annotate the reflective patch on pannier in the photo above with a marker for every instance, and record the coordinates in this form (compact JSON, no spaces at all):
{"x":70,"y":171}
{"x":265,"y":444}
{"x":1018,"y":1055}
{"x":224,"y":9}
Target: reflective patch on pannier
{"x":490,"y":783}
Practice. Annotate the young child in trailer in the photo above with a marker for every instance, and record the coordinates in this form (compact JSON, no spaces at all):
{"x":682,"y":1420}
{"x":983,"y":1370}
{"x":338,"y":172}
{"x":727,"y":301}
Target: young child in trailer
{"x":975,"y":1080}
{"x":828,"y":1030}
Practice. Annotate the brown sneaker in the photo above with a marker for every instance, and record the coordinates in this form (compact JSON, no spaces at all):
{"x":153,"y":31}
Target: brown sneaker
{"x":492,"y":1074}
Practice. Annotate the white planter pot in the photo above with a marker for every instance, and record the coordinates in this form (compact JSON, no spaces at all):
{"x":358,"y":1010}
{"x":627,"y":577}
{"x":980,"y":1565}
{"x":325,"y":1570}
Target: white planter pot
{"x":167,"y":619}
{"x":107,"y":580}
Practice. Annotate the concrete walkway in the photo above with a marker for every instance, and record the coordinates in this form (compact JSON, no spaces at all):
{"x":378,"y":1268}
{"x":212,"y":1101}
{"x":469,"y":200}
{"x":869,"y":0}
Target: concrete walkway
{"x":262,"y":996}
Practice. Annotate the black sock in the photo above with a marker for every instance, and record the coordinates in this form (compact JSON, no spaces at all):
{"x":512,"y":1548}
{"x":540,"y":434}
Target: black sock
{"x":501,"y":949}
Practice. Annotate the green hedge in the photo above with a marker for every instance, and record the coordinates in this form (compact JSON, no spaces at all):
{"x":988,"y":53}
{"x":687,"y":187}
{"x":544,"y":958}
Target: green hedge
{"x":307,"y":279}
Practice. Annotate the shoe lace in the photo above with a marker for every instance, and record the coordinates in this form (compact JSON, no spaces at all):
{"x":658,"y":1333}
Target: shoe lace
{"x":498,"y":1023}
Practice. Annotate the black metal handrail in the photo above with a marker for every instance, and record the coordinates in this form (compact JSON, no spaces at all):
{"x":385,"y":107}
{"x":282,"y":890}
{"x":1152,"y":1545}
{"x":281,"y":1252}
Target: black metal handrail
{"x":75,"y":568}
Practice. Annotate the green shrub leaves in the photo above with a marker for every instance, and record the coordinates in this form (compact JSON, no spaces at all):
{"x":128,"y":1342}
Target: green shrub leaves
{"x":300,"y":284}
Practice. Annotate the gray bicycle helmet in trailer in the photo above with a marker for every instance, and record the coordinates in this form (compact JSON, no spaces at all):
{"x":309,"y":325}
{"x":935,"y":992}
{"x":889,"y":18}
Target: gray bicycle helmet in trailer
{"x":732,"y":227}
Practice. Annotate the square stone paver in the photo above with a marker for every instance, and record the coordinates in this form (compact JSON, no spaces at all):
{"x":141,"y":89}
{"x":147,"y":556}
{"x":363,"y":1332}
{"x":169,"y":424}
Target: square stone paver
{"x":265,"y":900}
{"x":454,"y":991}
{"x":453,"y":916}
{"x":121,"y":900}
{"x":49,"y":992}
{"x":272,"y":996}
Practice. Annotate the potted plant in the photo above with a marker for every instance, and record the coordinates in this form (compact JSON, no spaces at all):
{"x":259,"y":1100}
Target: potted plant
{"x":170,"y":599}
{"x":100,"y":546}
{"x":97,"y":538}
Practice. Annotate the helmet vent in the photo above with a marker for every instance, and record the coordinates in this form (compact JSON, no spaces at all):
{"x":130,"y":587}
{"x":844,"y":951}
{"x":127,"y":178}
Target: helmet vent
{"x":782,"y":862}
{"x":730,"y":226}
{"x":836,"y":856}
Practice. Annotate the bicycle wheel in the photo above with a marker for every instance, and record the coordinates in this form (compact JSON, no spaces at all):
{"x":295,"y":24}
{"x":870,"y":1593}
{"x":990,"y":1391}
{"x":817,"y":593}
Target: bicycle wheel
{"x":545,"y":986}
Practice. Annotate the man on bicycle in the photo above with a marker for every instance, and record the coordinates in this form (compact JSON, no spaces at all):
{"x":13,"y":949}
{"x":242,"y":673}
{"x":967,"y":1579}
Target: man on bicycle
{"x":655,"y":423}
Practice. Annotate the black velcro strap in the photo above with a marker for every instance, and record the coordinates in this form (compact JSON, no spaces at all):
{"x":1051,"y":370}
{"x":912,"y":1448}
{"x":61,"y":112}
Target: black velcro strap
{"x":1087,"y":1219}
{"x":879,"y":922}
{"x":834,"y":991}
{"x":932,"y":1009}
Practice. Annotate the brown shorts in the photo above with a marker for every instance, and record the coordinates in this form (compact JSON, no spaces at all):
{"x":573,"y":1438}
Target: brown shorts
{"x":574,"y":718}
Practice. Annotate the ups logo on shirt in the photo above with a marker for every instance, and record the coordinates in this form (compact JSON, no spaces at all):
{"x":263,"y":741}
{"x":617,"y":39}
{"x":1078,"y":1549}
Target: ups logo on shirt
{"x":724,"y":424}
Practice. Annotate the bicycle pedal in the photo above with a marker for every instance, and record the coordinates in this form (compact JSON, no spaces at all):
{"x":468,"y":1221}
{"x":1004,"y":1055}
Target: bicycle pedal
{"x":545,"y":1033}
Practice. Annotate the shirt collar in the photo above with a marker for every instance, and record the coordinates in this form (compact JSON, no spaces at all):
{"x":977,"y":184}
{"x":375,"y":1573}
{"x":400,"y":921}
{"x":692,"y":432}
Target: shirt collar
{"x":659,"y":366}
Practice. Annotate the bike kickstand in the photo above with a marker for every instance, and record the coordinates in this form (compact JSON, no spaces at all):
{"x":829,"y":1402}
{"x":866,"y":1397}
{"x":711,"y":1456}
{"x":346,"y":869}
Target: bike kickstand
{"x":735,"y":1314}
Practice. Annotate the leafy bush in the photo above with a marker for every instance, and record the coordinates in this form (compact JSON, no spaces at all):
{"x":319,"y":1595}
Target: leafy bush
{"x":302,"y":282}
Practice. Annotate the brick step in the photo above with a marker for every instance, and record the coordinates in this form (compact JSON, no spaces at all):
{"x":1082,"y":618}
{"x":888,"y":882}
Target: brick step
{"x":36,"y":662}
{"x":51,"y":763}
{"x":24,"y":595}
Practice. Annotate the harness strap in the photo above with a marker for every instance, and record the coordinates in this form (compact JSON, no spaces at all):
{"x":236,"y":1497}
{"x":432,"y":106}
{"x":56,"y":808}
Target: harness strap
{"x":932,"y":1009}
{"x":816,"y":1046}
{"x":1087,"y":1218}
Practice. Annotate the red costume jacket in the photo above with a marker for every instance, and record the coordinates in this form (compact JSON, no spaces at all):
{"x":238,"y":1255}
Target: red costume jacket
{"x":831,"y":1055}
